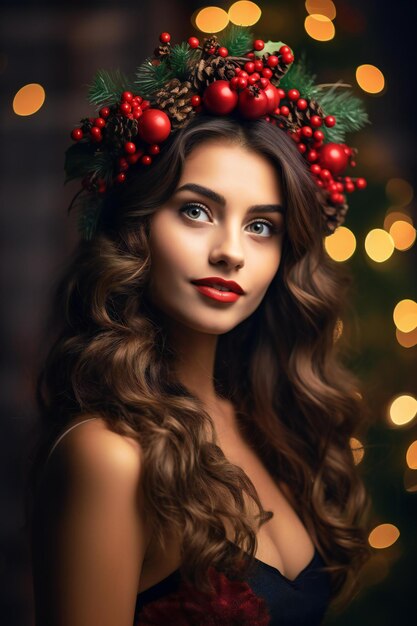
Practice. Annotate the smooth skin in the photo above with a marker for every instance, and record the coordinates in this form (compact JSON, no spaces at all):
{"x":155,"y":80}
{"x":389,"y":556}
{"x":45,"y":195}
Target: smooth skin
{"x":91,"y":534}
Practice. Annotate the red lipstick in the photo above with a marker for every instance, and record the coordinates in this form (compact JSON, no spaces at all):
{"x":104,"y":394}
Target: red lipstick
{"x":207,"y":286}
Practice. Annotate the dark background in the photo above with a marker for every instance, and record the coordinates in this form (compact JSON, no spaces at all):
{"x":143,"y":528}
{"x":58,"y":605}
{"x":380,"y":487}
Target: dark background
{"x":61,"y":45}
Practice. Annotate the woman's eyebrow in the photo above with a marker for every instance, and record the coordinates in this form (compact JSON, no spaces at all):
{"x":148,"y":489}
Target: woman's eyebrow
{"x":216,"y":197}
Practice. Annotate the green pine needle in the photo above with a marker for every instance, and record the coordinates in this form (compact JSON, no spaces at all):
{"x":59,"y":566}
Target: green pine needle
{"x":348,"y":110}
{"x":237,"y":39}
{"x":88,"y":210}
{"x":150,"y":78}
{"x":299,"y":77}
{"x":107,"y":87}
{"x":182,"y":58}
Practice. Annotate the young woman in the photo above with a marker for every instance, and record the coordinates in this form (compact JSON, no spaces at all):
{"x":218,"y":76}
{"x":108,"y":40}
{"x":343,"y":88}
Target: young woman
{"x":196,"y":410}
{"x":194,"y":464}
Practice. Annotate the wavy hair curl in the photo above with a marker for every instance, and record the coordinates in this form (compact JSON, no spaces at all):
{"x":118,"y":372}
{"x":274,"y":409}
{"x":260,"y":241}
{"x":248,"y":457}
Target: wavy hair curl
{"x":109,"y":356}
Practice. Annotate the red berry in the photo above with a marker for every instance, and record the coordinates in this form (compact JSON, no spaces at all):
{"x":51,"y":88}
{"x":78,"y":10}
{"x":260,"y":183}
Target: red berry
{"x":259,"y":66}
{"x":353,"y":164}
{"x":252,"y":79}
{"x":281,"y":93}
{"x":249,"y":67}
{"x":319,"y":183}
{"x":302,"y":147}
{"x":193,"y":42}
{"x":330,"y":121}
{"x":334,"y":197}
{"x":137,"y":112}
{"x":361,"y":183}
{"x":266,"y":72}
{"x":284,"y":50}
{"x":125,"y":108}
{"x":121,"y":177}
{"x":264,"y":81}
{"x":285,"y":111}
{"x":315,"y":121}
{"x":127,"y":96}
{"x":164,"y":37}
{"x":293,"y":94}
{"x":145,"y":104}
{"x":154,"y":149}
{"x":104,"y":112}
{"x":272,"y":60}
{"x":312,"y":155}
{"x":77,"y":134}
{"x":146,"y":159}
{"x":302,"y":104}
{"x":195,"y":101}
{"x":287,"y":58}
{"x":234,"y":84}
{"x":325,"y":174}
{"x":251,"y":55}
{"x":133,"y":158}
{"x":96,"y":133}
{"x":130,"y":147}
{"x":307,"y":131}
{"x":242,"y":82}
{"x":315,"y":169}
{"x":99,"y":122}
{"x":258,"y":44}
{"x":349,"y":187}
{"x":318,"y":135}
{"x":222,"y":51}
{"x":243,"y":74}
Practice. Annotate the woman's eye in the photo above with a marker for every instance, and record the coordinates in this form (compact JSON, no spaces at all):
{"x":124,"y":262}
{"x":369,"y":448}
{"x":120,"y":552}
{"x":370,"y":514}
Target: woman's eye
{"x":198,"y":208}
{"x":195,"y":207}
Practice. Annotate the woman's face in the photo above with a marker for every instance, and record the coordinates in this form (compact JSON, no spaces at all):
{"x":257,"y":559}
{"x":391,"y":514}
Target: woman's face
{"x":194,"y":236}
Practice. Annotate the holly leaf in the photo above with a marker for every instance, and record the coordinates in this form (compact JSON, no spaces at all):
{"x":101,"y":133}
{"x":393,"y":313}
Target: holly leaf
{"x":271,"y":47}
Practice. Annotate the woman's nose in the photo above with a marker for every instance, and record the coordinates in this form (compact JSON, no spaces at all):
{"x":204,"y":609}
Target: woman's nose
{"x":228,"y":248}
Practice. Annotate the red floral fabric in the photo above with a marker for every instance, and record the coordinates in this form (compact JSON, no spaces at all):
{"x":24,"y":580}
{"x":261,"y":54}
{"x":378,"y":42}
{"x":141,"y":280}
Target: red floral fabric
{"x":233,"y":603}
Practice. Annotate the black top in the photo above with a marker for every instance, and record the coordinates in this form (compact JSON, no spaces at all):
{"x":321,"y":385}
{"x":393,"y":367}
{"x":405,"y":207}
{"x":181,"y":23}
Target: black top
{"x":299,"y":602}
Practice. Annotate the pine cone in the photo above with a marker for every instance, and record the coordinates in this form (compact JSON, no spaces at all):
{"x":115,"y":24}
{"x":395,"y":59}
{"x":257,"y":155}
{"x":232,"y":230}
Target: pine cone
{"x":209,"y":44}
{"x":334,"y":216}
{"x":120,"y":129}
{"x":211,"y":69}
{"x":278,"y":71}
{"x":162,"y":50}
{"x":175,"y":99}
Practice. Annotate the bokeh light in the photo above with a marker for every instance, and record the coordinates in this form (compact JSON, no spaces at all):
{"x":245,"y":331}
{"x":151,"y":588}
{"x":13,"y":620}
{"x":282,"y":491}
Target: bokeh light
{"x":406,"y":340}
{"x":211,"y":19}
{"x":379,"y":245}
{"x":402,"y":410}
{"x":411,"y":455}
{"x":405,"y":315}
{"x":399,"y":192}
{"x":357,"y":448}
{"x":321,"y":7}
{"x":370,"y":78}
{"x":29,"y":99}
{"x":341,"y":244}
{"x":403,"y":234}
{"x":394,"y":216}
{"x":319,"y":27}
{"x":383,"y":536}
{"x":244,"y":13}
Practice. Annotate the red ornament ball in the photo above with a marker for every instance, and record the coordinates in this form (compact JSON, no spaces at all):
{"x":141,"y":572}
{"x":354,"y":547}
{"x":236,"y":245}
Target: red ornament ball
{"x":193,"y":42}
{"x":333,"y":158}
{"x":77,"y":134}
{"x":271,"y":93}
{"x":164,"y":37}
{"x":154,"y":126}
{"x":219,"y":98}
{"x":251,"y":107}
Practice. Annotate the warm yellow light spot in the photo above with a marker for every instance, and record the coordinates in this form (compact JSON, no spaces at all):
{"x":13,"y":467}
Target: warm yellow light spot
{"x":402,"y":410}
{"x":29,"y":99}
{"x":244,"y":13}
{"x":406,"y":340}
{"x":383,"y":536}
{"x":211,"y":19}
{"x":394,"y":216}
{"x":405,"y":315}
{"x":403,"y":234}
{"x":357,"y":450}
{"x":319,"y":27}
{"x":337,"y":333}
{"x":399,"y":191}
{"x":411,"y":455}
{"x":321,"y":7}
{"x":379,"y":245}
{"x":370,"y":78}
{"x":341,"y":244}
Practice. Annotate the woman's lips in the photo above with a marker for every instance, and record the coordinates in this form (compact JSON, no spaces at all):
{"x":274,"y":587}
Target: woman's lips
{"x":216,"y":294}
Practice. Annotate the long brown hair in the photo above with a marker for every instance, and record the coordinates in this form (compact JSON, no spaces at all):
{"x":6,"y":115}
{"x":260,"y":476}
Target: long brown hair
{"x":110,"y":357}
